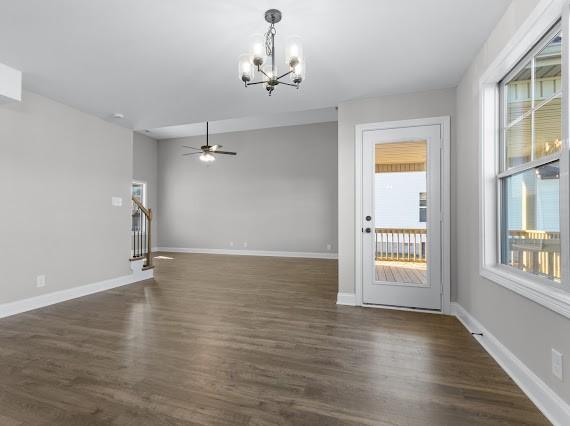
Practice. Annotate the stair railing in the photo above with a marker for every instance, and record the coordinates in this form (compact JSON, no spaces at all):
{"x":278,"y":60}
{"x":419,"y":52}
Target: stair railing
{"x":141,"y":220}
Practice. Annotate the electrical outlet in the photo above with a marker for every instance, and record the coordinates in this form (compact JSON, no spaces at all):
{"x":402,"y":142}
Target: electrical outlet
{"x":557,"y":369}
{"x":329,"y":247}
{"x":40,"y":281}
{"x":245,"y":244}
{"x":231,"y":243}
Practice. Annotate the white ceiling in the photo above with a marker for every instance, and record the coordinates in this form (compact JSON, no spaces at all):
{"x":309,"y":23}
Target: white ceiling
{"x":293,"y":118}
{"x":171,"y":62}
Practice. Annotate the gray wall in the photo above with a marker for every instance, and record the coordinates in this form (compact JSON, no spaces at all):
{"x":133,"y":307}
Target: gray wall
{"x":388,"y":108}
{"x":145,"y":168}
{"x":59,"y":169}
{"x":278,"y":194}
{"x":526,"y":328}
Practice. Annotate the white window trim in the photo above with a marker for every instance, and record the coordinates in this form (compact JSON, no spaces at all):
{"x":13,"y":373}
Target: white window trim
{"x":551,"y":295}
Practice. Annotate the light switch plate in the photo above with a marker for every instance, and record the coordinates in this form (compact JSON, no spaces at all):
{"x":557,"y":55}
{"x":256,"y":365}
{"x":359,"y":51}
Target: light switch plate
{"x":117,"y":201}
{"x":557,"y":369}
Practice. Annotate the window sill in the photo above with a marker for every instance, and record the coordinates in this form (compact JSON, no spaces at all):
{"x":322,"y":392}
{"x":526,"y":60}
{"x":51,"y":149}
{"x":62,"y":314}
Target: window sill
{"x":547,"y":295}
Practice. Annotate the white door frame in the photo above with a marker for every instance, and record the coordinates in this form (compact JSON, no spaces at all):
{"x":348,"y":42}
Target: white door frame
{"x":444,"y":122}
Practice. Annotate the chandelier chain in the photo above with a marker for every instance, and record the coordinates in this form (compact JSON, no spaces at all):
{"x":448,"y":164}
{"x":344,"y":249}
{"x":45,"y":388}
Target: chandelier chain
{"x":269,"y":39}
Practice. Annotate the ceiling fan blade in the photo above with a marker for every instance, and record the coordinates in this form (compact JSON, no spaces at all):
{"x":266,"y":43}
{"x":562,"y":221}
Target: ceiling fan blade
{"x":192,"y":153}
{"x":191,"y":147}
{"x":226,"y":152}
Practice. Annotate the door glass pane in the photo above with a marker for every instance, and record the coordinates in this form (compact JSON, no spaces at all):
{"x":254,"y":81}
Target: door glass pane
{"x":518,"y":142}
{"x":530,"y":238}
{"x":401,"y":200}
{"x":518,"y":92}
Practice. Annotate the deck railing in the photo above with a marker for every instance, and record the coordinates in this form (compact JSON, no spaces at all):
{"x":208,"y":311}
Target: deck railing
{"x":537,"y":252}
{"x":401,"y":244}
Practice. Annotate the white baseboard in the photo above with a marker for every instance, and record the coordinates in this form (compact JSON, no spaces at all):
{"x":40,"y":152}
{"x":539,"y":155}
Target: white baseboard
{"x":346,"y":299}
{"x":19,"y":306}
{"x":311,"y":255}
{"x":551,"y":405}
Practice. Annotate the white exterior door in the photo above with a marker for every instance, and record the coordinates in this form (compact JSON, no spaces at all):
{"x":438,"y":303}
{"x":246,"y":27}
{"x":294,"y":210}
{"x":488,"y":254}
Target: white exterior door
{"x":401,"y":217}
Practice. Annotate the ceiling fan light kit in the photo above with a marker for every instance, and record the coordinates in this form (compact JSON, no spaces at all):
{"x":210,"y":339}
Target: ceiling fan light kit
{"x":206,"y":152}
{"x":261,"y":58}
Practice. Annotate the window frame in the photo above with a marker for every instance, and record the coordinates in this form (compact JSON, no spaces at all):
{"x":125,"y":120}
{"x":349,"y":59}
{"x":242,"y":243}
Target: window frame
{"x":525,"y":43}
{"x":504,"y":171}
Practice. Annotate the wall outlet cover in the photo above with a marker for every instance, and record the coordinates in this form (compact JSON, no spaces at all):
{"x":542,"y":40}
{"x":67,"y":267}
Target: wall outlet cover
{"x":40,"y":281}
{"x":557,"y":369}
{"x":245,"y":244}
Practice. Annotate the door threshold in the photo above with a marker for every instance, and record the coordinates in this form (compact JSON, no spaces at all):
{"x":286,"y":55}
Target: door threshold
{"x":403,"y":308}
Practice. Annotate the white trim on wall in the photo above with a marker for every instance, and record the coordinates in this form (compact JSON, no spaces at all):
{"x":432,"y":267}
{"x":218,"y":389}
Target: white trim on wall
{"x":346,"y":299}
{"x":310,"y":255}
{"x":445,"y":123}
{"x":19,"y":306}
{"x":547,"y":401}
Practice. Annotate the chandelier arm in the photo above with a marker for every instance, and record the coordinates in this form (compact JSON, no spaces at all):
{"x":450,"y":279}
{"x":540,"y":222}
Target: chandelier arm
{"x":254,"y":82}
{"x":289,"y":84}
{"x":284,"y":75}
{"x":264,"y":73}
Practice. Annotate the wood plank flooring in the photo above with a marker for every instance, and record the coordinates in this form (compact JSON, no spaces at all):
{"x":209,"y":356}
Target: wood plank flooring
{"x":401,"y":272}
{"x":239,"y":340}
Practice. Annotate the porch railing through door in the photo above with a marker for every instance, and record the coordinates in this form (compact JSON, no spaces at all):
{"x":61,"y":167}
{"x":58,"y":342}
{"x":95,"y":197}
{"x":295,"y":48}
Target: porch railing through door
{"x":401,"y":244}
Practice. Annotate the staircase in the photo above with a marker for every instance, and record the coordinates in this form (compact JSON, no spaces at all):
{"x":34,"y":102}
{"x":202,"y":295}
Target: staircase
{"x":141,"y":229}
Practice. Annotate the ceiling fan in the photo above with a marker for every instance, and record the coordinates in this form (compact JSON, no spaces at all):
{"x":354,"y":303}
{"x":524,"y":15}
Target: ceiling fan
{"x":207,"y":151}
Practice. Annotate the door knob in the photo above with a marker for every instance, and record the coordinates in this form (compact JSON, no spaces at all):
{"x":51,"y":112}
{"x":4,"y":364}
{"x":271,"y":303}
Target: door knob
{"x":368,"y":218}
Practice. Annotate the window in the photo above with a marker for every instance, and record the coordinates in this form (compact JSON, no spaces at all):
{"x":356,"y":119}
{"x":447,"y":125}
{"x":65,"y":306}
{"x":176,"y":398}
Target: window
{"x":138,"y":191}
{"x":525,"y":164}
{"x":423,"y":207}
{"x":528,"y":180}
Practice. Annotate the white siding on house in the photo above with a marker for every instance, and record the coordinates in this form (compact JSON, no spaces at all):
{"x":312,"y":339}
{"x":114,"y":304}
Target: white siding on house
{"x":547,"y":205}
{"x":397,"y":199}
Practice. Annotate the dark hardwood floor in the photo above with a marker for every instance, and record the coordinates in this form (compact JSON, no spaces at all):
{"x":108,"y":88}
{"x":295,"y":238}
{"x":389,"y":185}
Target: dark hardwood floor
{"x":238,"y":340}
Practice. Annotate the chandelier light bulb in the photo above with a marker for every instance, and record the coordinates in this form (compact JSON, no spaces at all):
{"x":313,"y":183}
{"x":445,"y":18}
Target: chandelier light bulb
{"x":271,"y":73}
{"x":298,"y":72}
{"x":294,"y":51}
{"x":246,"y":69}
{"x":257,"y":43}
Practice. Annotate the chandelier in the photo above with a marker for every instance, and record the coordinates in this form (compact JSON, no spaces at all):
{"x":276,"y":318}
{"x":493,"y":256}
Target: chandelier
{"x":261,"y":59}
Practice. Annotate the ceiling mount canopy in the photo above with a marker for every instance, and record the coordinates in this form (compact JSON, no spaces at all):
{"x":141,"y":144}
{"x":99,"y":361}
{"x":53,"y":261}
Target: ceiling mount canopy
{"x":261,"y":58}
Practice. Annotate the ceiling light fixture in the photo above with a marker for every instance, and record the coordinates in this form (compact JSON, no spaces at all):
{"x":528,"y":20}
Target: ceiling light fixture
{"x":263,"y":46}
{"x":206,"y":152}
